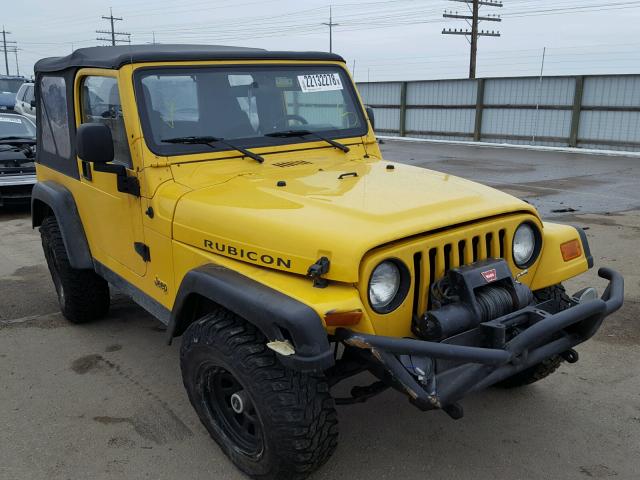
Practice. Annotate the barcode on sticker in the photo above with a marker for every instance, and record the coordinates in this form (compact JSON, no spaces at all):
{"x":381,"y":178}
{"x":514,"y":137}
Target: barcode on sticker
{"x":320,"y":82}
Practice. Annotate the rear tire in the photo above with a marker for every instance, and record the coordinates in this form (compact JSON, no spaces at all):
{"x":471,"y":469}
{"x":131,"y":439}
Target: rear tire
{"x":82,"y":294}
{"x":271,"y":421}
{"x":551,"y":364}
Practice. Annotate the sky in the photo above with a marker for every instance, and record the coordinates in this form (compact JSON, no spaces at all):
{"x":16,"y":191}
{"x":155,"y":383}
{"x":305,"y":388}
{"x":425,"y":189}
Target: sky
{"x":381,"y":40}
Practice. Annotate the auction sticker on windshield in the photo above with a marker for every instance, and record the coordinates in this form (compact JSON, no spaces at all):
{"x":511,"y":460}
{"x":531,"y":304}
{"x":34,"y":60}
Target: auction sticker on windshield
{"x":10,"y":120}
{"x":320,"y":82}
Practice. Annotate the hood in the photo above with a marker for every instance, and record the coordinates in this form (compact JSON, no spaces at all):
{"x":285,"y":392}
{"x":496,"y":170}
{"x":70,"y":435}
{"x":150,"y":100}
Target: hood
{"x":341,"y":212}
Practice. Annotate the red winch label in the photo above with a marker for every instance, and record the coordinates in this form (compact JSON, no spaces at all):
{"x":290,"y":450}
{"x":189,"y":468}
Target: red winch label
{"x":490,"y":275}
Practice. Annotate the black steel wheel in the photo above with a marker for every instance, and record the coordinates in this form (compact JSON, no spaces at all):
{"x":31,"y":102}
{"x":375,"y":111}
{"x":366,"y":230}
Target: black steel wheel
{"x":228,"y":403}
{"x":271,"y":421}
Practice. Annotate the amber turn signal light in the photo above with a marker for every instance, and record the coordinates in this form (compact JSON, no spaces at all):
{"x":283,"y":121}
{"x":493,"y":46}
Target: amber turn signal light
{"x":340,"y":319}
{"x":571,"y":250}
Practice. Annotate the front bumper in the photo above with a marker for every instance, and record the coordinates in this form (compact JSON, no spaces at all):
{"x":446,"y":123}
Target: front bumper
{"x":16,"y":188}
{"x":484,"y":356}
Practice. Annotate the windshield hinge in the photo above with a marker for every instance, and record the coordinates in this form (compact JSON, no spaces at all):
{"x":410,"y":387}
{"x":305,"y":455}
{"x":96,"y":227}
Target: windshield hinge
{"x":129,"y":185}
{"x":317,"y":270}
{"x":124,"y":182}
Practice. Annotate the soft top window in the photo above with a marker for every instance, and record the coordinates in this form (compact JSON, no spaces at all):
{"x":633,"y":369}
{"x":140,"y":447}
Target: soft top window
{"x":55,"y":120}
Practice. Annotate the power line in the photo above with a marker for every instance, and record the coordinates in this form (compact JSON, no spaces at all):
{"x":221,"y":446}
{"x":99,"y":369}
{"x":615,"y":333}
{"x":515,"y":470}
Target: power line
{"x":114,"y":35}
{"x":474,"y":33}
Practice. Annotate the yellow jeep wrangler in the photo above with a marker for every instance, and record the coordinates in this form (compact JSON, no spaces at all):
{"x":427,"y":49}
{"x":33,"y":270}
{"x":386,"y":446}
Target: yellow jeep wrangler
{"x":239,"y":196}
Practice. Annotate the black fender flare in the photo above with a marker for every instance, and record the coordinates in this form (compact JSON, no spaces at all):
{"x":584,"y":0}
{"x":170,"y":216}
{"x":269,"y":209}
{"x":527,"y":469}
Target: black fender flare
{"x":51,"y":196}
{"x":277,"y":315}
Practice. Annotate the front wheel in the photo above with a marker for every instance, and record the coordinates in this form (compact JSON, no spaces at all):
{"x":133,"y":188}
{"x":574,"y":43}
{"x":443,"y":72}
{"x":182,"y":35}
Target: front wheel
{"x":272,"y":422}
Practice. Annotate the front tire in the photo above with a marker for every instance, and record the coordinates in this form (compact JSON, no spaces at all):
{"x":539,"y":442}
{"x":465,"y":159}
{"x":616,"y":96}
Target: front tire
{"x":271,"y":421}
{"x":551,"y":364}
{"x":82,"y":294}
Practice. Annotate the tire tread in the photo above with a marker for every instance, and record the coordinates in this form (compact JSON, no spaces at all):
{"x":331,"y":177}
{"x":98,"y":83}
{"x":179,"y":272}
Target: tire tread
{"x":86,"y":293}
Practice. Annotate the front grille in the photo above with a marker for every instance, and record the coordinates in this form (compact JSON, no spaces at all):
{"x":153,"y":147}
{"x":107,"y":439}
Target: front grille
{"x":435,"y":258}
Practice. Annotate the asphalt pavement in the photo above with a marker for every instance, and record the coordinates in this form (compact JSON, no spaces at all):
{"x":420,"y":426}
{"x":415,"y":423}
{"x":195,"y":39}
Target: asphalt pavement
{"x":105,"y":400}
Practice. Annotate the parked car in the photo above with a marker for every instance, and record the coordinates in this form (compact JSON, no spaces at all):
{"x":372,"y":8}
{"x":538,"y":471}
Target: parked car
{"x":17,"y":157}
{"x":26,"y":101}
{"x":9,"y":86}
{"x":240,"y":196}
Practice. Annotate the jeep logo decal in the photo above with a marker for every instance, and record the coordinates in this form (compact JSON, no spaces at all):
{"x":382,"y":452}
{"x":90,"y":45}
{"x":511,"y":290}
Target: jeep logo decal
{"x":490,"y":275}
{"x":231,"y":251}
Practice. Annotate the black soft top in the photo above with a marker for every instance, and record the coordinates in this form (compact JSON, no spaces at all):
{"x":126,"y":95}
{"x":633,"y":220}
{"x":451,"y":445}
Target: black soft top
{"x":115,"y":57}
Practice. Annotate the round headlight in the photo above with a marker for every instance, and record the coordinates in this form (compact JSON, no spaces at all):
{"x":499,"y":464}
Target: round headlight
{"x":524,"y":245}
{"x":387,"y":287}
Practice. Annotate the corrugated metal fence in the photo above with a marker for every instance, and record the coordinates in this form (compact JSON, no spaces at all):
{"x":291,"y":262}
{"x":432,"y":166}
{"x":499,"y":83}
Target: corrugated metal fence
{"x":600,"y":112}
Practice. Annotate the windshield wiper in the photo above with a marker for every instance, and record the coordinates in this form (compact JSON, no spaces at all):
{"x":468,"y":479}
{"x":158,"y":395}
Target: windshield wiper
{"x":211,"y":141}
{"x":16,"y":139}
{"x":304,"y":133}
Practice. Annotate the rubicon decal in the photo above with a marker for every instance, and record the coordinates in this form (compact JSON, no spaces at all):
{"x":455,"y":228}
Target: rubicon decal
{"x":490,"y":275}
{"x":252,"y":256}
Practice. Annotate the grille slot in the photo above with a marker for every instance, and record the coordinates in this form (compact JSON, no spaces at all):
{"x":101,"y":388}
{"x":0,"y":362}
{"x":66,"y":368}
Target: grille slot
{"x":417,"y":269}
{"x":453,"y":254}
{"x":292,"y":163}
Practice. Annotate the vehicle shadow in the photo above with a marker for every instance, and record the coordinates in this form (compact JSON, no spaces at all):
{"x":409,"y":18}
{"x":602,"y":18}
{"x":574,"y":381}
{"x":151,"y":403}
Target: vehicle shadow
{"x":13,"y":212}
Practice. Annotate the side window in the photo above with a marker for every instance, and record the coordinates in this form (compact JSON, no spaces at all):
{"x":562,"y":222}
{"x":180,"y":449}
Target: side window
{"x":100,"y":103}
{"x":55,"y":122}
{"x":28,"y":95}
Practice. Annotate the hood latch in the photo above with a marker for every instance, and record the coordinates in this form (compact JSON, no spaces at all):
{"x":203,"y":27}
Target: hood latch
{"x":317,"y":270}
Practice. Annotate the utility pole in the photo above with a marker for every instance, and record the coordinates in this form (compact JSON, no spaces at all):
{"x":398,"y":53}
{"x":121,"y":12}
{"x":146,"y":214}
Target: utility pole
{"x":6,"y":44}
{"x":475,"y":32}
{"x":330,"y":25}
{"x":114,"y":35}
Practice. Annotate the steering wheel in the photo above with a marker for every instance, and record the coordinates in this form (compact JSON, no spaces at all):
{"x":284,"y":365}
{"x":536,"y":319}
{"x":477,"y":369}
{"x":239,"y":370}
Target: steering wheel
{"x":283,"y":122}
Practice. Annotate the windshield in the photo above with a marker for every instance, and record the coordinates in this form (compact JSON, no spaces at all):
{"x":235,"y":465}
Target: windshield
{"x":16,"y":126}
{"x":10,"y":85}
{"x":243,"y":104}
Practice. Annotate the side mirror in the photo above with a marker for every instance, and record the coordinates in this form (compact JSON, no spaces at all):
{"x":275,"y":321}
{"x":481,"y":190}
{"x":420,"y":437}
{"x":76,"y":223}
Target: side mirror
{"x":32,"y":103}
{"x":94,"y":143}
{"x":372,"y":117}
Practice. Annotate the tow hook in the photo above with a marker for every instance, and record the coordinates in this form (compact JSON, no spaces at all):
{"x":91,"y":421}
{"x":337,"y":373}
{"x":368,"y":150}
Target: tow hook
{"x":570,"y":356}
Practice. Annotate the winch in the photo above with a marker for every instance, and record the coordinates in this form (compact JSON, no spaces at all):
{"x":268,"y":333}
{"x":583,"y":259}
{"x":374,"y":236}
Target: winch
{"x":470,"y":295}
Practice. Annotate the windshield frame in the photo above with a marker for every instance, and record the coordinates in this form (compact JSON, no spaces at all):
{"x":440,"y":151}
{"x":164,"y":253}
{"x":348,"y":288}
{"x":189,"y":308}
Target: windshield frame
{"x":173,"y":150}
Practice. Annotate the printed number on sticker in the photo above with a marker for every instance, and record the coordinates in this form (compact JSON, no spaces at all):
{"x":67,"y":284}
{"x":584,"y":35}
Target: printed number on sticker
{"x":319,"y":82}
